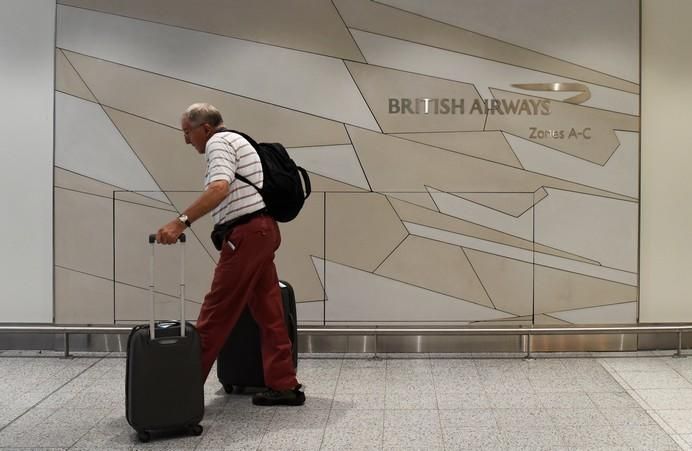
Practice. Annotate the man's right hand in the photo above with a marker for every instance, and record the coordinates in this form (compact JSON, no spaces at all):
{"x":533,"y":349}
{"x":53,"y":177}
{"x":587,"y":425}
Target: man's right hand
{"x":169,"y":233}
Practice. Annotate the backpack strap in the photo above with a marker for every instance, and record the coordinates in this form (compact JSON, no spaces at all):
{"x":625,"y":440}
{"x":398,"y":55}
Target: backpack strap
{"x":254,"y":145}
{"x":306,"y":181}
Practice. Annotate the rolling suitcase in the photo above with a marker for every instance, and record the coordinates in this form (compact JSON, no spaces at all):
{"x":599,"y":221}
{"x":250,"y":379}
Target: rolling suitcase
{"x":239,"y":364}
{"x":164,"y":388}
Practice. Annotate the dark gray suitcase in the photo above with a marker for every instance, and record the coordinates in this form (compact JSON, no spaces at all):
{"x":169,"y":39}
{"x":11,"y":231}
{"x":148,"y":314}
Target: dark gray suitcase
{"x":164,"y":388}
{"x":239,"y":364}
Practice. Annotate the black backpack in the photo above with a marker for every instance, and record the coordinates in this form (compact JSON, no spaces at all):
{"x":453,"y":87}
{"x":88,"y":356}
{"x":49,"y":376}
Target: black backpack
{"x":282,"y":190}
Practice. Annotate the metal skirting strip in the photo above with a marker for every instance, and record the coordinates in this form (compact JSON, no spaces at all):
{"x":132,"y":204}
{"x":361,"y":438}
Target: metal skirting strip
{"x":310,"y":343}
{"x":56,"y":342}
{"x":648,"y":342}
{"x":466,"y":343}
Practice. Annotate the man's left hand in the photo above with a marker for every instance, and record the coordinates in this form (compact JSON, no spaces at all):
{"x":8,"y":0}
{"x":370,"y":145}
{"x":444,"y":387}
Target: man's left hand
{"x":169,"y":233}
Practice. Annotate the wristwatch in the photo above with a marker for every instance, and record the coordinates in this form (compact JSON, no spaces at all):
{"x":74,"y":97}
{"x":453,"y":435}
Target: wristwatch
{"x":184,"y":220}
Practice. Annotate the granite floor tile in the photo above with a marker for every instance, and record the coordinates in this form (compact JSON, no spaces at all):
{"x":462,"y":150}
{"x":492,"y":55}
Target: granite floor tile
{"x":463,"y":400}
{"x":590,"y":437}
{"x":26,"y":400}
{"x":462,"y":374}
{"x":559,"y":384}
{"x":294,"y":440}
{"x":412,"y":429}
{"x":359,"y":401}
{"x":106,"y":439}
{"x":686,"y":374}
{"x":458,"y":385}
{"x":407,"y":365}
{"x":585,"y":418}
{"x":463,"y":365}
{"x":547,"y":439}
{"x":79,"y":418}
{"x":258,"y":415}
{"x":361,"y":381}
{"x":590,"y":373}
{"x":45,"y":436}
{"x":356,"y":364}
{"x":468,"y":418}
{"x":548,"y":364}
{"x":667,"y":379}
{"x":501,"y":364}
{"x":239,"y":402}
{"x":687,"y":438}
{"x":613,"y":400}
{"x":600,"y":384}
{"x":9,"y":414}
{"x":628,"y":417}
{"x":404,"y":385}
{"x":635,"y":364}
{"x":396,"y":402}
{"x":409,"y":398}
{"x":239,"y":434}
{"x":679,"y":420}
{"x":292,"y":429}
{"x":506,"y":384}
{"x":523,"y":419}
{"x":647,"y":438}
{"x":574,"y":400}
{"x":319,"y":379}
{"x":354,"y":429}
{"x":323,"y":364}
{"x":514,"y":400}
{"x":576,"y":364}
{"x":667,"y":399}
{"x":30,"y":419}
{"x":473,"y":439}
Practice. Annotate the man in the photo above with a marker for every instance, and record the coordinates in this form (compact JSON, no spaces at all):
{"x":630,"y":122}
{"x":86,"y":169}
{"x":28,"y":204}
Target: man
{"x":245,"y":273}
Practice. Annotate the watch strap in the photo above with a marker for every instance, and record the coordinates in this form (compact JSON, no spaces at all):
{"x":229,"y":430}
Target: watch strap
{"x":186,"y":221}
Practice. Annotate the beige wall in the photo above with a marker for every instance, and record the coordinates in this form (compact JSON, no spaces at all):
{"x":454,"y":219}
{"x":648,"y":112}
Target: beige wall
{"x":415,"y":218}
{"x":666,"y":191}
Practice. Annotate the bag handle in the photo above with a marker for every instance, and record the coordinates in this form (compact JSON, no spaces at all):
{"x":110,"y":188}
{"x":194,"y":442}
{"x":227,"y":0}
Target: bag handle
{"x":152,"y":323}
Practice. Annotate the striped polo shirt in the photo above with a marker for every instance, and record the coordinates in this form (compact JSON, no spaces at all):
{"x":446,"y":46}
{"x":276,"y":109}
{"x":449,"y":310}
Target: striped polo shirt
{"x":228,"y":154}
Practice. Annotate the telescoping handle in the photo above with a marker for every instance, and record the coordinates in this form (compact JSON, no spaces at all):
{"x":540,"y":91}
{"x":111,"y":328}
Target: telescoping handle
{"x":152,"y":323}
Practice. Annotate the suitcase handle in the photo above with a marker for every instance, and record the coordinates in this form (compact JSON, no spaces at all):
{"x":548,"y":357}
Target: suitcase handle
{"x":152,"y":238}
{"x":152,"y":322}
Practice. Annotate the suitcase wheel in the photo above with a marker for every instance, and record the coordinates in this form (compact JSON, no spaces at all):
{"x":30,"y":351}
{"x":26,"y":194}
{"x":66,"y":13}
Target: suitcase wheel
{"x":239,"y":389}
{"x":196,"y":429}
{"x":143,"y":436}
{"x":228,"y":388}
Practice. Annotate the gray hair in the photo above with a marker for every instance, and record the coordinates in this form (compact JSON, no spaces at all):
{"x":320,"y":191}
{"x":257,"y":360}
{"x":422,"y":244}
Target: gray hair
{"x":201,"y":113}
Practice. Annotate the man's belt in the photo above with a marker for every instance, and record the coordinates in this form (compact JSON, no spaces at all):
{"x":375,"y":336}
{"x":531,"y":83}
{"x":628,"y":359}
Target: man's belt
{"x":221,"y":230}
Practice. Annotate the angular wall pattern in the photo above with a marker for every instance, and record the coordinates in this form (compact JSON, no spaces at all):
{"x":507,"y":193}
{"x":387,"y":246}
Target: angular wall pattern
{"x":463,"y":171}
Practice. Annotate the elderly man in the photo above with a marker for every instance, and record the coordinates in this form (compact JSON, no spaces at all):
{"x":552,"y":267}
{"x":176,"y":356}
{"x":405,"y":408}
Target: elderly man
{"x":245,"y":273}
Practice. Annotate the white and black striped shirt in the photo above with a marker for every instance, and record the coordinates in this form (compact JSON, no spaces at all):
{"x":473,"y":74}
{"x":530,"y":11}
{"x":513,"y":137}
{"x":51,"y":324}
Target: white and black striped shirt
{"x":228,"y":154}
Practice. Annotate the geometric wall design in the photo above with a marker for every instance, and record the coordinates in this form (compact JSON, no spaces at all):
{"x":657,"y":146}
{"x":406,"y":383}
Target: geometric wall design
{"x":417,"y":217}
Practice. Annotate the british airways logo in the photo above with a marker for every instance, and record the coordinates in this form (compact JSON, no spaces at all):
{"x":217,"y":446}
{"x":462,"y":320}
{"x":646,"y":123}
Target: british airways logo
{"x":528,"y":107}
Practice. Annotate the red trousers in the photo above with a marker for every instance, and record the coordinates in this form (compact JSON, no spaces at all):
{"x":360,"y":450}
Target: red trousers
{"x":246,"y":275}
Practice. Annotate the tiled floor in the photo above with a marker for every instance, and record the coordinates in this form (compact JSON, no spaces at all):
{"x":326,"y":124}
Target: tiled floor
{"x":424,"y":402}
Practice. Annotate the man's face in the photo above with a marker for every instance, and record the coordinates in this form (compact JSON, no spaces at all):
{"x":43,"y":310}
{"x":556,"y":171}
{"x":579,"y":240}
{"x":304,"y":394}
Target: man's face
{"x":195,"y":134}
